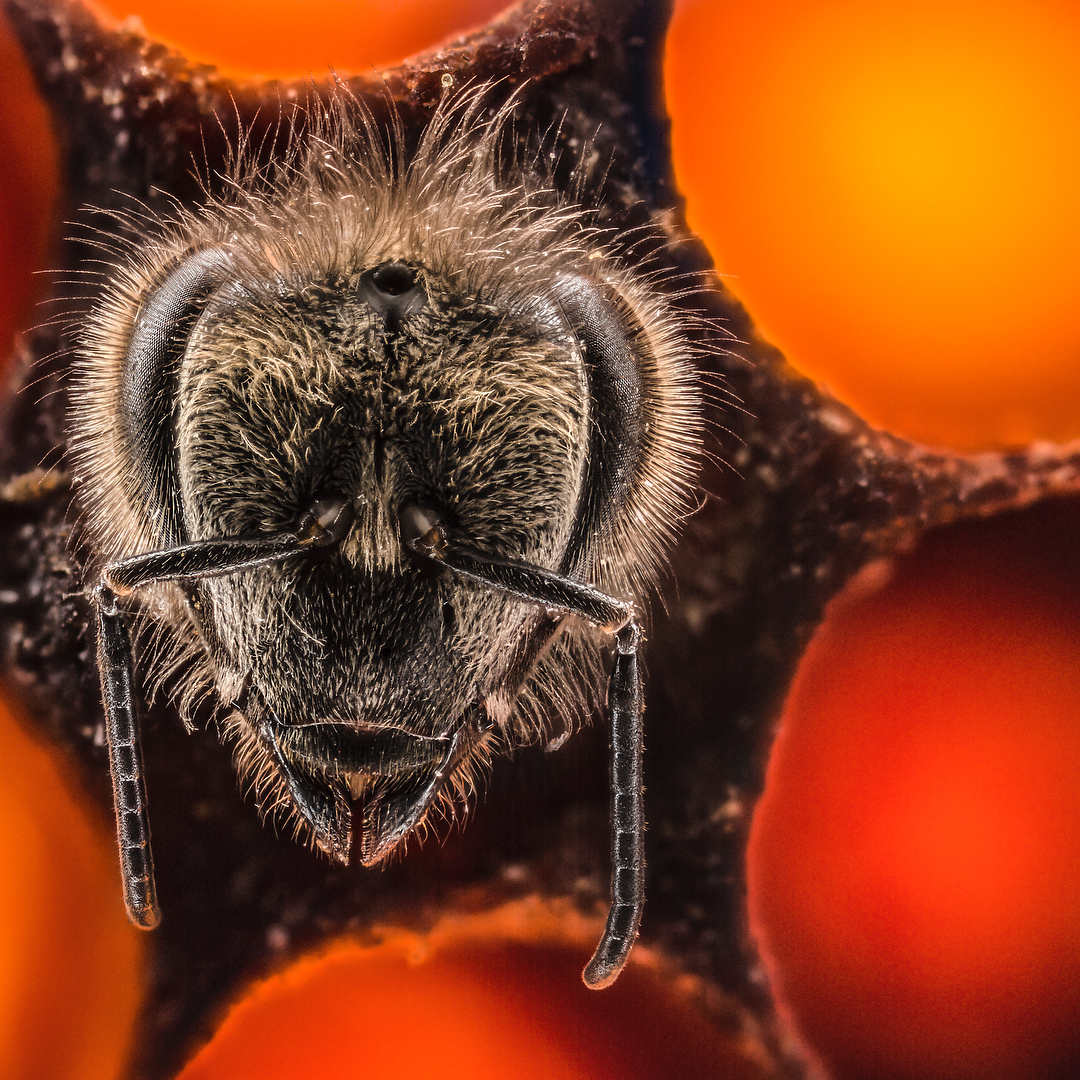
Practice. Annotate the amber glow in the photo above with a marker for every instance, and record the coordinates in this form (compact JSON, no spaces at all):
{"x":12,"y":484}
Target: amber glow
{"x":891,"y":188}
{"x":915,"y":861}
{"x":29,"y":187}
{"x":478,"y":1009}
{"x":286,"y":39}
{"x":69,"y":982}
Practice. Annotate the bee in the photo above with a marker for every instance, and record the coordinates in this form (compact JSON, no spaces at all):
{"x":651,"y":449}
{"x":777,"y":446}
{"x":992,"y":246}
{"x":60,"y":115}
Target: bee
{"x":381,"y":449}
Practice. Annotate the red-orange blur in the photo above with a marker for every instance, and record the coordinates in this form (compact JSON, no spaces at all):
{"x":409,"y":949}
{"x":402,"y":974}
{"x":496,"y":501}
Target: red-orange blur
{"x":891,"y":188}
{"x":915,"y":861}
{"x":478,"y":1009}
{"x":29,"y":190}
{"x":69,"y":959}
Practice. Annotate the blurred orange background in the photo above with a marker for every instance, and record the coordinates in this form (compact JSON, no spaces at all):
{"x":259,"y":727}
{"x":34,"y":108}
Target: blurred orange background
{"x":477,"y":1006}
{"x":890,"y":188}
{"x":915,"y":860}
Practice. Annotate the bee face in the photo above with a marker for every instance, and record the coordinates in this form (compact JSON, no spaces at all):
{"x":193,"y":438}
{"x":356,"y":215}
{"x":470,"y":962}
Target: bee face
{"x":285,"y":400}
{"x":357,"y":442}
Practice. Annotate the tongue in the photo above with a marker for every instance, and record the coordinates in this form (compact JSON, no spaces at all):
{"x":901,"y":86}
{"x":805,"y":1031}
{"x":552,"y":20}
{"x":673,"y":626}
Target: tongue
{"x":393,"y":807}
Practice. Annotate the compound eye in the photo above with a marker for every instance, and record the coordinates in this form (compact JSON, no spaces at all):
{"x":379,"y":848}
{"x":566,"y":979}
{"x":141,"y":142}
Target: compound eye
{"x":423,"y":530}
{"x":166,"y":318}
{"x":326,"y":521}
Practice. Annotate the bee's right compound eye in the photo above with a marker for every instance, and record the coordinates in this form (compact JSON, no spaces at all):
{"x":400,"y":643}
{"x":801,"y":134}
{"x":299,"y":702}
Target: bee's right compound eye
{"x":423,"y":531}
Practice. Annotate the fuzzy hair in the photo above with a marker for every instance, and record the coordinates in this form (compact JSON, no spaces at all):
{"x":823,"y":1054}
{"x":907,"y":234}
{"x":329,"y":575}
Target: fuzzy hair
{"x":486,"y":224}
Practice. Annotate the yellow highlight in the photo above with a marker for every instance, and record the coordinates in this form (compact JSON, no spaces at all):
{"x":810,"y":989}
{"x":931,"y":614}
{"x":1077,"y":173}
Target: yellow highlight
{"x":892,"y":189}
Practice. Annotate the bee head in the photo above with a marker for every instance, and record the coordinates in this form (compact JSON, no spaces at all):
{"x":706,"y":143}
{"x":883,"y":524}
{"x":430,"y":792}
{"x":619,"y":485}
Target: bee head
{"x":390,"y":364}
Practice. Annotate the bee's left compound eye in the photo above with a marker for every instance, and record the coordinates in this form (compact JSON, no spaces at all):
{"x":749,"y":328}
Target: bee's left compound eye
{"x":326,"y":522}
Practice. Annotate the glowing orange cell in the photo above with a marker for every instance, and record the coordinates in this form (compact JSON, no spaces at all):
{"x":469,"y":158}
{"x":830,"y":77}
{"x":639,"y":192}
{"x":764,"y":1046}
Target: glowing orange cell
{"x":477,"y":1010}
{"x":69,"y":959}
{"x":29,"y":188}
{"x":302,"y":38}
{"x":915,"y":861}
{"x":891,"y":190}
